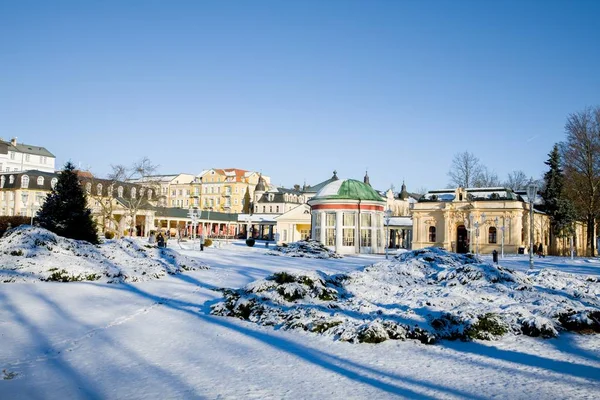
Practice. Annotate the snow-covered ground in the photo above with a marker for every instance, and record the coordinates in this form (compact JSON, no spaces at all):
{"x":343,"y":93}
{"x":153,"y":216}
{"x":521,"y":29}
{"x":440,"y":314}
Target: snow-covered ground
{"x":158,"y":339}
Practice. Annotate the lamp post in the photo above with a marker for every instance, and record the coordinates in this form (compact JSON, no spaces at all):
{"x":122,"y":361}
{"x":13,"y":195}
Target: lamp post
{"x":502,"y":239}
{"x":388,"y":214}
{"x":531,"y":192}
{"x":193,"y":214}
{"x":473,"y":225}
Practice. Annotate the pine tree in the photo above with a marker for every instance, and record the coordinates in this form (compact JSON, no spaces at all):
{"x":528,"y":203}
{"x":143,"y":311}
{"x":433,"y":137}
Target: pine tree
{"x":556,"y":205}
{"x":246,"y":209}
{"x":65,"y":210}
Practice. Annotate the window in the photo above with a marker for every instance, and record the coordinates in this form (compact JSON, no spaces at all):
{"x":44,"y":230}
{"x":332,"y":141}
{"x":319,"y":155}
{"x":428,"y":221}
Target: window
{"x":173,"y":192}
{"x":40,"y":180}
{"x":88,"y":188}
{"x":11,"y":179}
{"x":150,"y":194}
{"x":42,"y":160}
{"x":492,"y":235}
{"x":133,"y":193}
{"x":24,"y":182}
{"x":330,"y":229}
{"x":366,"y":220}
{"x":197,"y":191}
{"x":366,"y":237}
{"x":277,"y":209}
{"x":348,"y":230}
{"x":235,"y":201}
{"x":181,"y":192}
{"x":432,"y":234}
{"x":53,"y":182}
{"x":2,"y":181}
{"x":264,"y":208}
{"x":12,"y":155}
{"x":270,"y":209}
{"x":120,"y":191}
{"x":27,"y":157}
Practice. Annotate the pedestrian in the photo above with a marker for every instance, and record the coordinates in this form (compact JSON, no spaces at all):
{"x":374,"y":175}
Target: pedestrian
{"x":160,"y":240}
{"x":535,"y":248}
{"x":540,"y":250}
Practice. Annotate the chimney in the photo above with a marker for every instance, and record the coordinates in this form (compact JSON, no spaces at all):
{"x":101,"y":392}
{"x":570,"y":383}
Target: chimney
{"x":13,"y":141}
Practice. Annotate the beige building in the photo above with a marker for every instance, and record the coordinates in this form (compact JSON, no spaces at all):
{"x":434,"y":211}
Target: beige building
{"x":482,"y":220}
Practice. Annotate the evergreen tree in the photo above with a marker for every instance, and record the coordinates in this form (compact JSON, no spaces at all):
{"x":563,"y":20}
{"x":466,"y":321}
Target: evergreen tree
{"x":247,"y":205}
{"x":65,"y":210}
{"x":556,"y":205}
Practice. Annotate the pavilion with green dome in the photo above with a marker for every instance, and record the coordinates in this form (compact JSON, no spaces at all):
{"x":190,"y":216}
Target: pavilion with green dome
{"x":347,"y":216}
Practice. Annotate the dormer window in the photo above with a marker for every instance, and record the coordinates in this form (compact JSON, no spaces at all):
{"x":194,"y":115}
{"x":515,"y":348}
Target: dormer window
{"x":99,"y":189}
{"x":88,"y":188}
{"x":149,"y":194}
{"x":24,"y":182}
{"x":53,"y":182}
{"x":133,"y":193}
{"x":271,"y":196}
{"x":40,"y":180}
{"x":2,"y":181}
{"x":11,"y":179}
{"x":120,"y":191}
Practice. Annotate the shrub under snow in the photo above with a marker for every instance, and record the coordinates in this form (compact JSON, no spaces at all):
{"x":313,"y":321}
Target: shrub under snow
{"x":32,"y":254}
{"x":304,"y":248}
{"x":426,"y":294}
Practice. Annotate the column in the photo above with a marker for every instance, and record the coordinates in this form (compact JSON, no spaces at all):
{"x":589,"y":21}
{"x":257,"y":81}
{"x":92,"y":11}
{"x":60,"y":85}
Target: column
{"x":322,"y":238}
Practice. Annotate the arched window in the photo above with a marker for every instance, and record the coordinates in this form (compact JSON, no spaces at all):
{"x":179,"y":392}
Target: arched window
{"x":2,"y":181}
{"x":24,"y":181}
{"x":53,"y":182}
{"x":88,"y":188}
{"x":432,"y":234}
{"x":40,"y":180}
{"x":133,"y":191}
{"x":141,"y":192}
{"x":11,"y":179}
{"x":150,"y":193}
{"x":99,"y":189}
{"x":120,"y":191}
{"x":492,"y":235}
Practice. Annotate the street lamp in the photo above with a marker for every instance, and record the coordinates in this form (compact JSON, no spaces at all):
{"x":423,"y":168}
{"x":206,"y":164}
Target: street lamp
{"x":531,"y":193}
{"x":388,"y":214}
{"x":193,"y":215}
{"x":473,"y":225}
{"x":502,"y":239}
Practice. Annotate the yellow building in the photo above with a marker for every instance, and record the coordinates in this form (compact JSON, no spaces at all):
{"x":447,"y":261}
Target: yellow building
{"x":223,"y":190}
{"x":481,"y":220}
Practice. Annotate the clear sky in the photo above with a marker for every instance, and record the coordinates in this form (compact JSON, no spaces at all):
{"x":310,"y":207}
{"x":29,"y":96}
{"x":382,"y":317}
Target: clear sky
{"x":296,"y":89}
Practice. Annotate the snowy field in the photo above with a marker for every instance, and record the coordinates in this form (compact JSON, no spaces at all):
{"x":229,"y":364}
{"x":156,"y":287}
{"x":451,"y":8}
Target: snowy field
{"x":156,"y":338}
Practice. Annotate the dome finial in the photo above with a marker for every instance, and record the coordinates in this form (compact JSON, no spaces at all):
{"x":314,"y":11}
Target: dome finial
{"x":366,"y":179}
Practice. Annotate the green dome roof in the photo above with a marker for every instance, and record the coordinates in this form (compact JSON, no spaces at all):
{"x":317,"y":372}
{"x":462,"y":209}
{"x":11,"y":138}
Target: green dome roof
{"x":348,"y":189}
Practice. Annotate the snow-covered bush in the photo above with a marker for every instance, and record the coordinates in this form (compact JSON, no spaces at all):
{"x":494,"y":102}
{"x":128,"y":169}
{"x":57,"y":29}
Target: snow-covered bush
{"x":32,"y":254}
{"x":427,"y":295}
{"x":304,"y":248}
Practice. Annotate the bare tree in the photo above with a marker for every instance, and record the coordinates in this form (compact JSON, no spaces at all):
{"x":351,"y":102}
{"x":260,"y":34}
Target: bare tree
{"x":516,"y":180}
{"x":465,"y":170}
{"x":581,"y":155}
{"x":486,"y":178}
{"x":143,"y":186}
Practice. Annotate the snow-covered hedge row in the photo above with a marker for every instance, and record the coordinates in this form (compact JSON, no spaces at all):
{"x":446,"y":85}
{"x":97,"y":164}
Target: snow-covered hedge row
{"x":31,"y":254}
{"x":426,"y":294}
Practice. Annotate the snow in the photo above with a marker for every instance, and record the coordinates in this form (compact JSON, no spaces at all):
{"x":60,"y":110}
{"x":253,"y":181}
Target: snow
{"x":158,"y":339}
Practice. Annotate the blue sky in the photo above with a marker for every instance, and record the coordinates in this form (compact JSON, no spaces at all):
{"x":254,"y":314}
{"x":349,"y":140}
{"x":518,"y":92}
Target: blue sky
{"x":296,"y":89}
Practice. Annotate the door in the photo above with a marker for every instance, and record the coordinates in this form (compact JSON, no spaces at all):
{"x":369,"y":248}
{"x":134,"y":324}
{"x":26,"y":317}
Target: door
{"x":462,"y":239}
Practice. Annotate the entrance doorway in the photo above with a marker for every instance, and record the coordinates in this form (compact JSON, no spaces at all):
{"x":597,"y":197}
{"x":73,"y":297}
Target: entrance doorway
{"x":462,"y":239}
